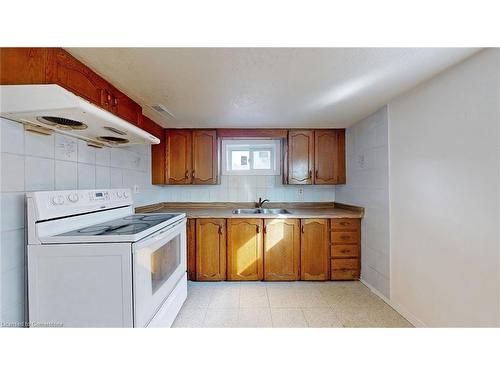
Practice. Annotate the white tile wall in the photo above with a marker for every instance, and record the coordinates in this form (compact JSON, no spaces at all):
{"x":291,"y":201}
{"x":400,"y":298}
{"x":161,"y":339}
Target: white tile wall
{"x":367,"y":185}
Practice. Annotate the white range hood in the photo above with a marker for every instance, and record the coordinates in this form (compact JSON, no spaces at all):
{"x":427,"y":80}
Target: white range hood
{"x":56,"y":109}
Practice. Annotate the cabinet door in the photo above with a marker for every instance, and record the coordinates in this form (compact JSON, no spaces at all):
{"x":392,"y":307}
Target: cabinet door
{"x":244,"y":249}
{"x":314,"y":249}
{"x":124,"y":107}
{"x":329,"y":164}
{"x":300,"y":156}
{"x":178,"y":157}
{"x":191,"y":249}
{"x":210,"y":249}
{"x":68,"y":72}
{"x":281,"y":249}
{"x":204,"y":157}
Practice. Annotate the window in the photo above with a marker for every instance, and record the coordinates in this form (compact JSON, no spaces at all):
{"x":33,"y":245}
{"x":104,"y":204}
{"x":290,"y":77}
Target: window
{"x":251,"y":157}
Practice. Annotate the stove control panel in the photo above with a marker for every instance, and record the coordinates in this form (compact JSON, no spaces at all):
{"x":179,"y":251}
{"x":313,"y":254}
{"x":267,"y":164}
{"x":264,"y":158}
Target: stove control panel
{"x":87,"y":197}
{"x":51,"y":204}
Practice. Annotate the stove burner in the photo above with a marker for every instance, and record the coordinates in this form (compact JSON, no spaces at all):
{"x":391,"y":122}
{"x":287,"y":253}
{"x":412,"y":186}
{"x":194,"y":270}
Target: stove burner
{"x":129,"y":229}
{"x":96,"y":229}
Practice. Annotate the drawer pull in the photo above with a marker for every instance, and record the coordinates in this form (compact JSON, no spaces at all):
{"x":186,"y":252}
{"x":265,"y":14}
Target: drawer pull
{"x":345,"y":237}
{"x":344,"y":251}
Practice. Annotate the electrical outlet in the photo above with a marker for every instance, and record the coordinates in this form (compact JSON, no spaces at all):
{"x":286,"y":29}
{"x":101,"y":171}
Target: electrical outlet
{"x":301,"y":191}
{"x":136,"y":189}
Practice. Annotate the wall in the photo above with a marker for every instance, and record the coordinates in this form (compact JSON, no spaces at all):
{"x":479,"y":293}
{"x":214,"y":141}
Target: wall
{"x":32,"y":162}
{"x":367,"y":185}
{"x":444,"y":162}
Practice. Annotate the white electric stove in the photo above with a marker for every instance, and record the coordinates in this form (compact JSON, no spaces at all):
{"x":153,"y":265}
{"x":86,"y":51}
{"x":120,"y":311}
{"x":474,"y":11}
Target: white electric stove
{"x":92,"y":262}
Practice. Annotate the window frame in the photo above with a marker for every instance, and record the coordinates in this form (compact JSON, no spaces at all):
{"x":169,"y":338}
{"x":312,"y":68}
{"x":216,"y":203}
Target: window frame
{"x":251,"y":145}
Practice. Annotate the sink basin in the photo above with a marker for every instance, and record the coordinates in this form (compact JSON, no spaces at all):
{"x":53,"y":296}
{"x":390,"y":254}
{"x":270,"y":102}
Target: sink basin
{"x":261,"y":211}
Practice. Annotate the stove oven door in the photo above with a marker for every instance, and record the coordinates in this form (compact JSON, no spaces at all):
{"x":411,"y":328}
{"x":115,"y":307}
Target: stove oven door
{"x":159,"y":264}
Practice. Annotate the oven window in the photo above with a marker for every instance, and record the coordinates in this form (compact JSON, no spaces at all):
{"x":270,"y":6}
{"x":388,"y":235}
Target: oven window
{"x":164,"y":262}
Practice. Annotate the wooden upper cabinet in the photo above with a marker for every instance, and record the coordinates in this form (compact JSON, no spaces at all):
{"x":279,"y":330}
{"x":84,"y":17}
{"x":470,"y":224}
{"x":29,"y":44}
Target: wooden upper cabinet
{"x":23,"y":66}
{"x":281,"y":249}
{"x":66,"y":71}
{"x":56,"y":66}
{"x":315,"y":249}
{"x":124,"y":107}
{"x":244,"y":249}
{"x":204,"y":157}
{"x":210,"y":249}
{"x":329,"y":158}
{"x":178,"y":143}
{"x":300,"y":156}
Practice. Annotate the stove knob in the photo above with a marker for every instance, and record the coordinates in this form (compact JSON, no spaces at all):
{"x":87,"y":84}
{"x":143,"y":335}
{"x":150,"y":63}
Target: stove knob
{"x":125,"y":194}
{"x":58,"y":200}
{"x":73,"y":197}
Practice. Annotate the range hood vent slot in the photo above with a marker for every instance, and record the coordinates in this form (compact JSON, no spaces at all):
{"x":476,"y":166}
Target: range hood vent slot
{"x":114,"y":140}
{"x":62,"y":123}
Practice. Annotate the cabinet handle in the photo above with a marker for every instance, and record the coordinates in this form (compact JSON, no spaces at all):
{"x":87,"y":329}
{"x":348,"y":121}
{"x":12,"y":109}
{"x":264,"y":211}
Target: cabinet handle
{"x":265,"y":228}
{"x":115,"y":101}
{"x":192,"y":173}
{"x":186,"y":175}
{"x":317,"y":174}
{"x":302,"y":228}
{"x":258,"y":228}
{"x":220,"y":230}
{"x":344,"y":251}
{"x":310,"y":174}
{"x":345,"y":237}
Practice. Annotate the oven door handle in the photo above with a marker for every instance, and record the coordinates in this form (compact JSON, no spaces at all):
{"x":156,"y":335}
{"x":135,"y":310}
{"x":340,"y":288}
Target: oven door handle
{"x":160,"y":236}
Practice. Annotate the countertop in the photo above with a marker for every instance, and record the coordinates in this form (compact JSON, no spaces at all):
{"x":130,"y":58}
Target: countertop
{"x":225,"y":210}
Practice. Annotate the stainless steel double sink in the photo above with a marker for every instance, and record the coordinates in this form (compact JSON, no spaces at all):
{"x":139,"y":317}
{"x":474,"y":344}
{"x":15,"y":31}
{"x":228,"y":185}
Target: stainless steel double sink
{"x":261,"y":211}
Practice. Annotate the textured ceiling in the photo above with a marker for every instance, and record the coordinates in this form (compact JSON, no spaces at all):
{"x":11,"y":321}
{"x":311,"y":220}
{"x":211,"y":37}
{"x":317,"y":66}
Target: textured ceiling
{"x":267,"y":87}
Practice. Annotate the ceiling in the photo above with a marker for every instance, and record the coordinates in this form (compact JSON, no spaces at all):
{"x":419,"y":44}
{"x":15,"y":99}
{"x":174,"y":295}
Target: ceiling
{"x":266,"y":87}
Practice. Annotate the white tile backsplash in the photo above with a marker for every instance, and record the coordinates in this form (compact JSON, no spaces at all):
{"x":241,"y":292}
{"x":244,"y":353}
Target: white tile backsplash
{"x":39,"y":145}
{"x":39,"y":173}
{"x":66,"y":148}
{"x":66,"y":175}
{"x":86,"y":154}
{"x":12,"y":135}
{"x":86,"y":176}
{"x":12,"y":173}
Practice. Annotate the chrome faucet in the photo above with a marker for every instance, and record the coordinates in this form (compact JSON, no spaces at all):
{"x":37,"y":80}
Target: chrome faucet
{"x":261,"y":202}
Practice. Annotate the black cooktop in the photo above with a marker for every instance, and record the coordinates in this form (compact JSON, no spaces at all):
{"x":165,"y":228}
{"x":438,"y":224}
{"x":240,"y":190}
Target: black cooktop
{"x":132,"y":224}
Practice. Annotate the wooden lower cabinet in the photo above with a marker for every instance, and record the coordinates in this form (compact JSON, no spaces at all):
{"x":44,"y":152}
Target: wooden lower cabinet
{"x":281,"y":249}
{"x":245,"y":249}
{"x":210,"y":249}
{"x":273,"y":249}
{"x":315,"y":249}
{"x":345,"y":249}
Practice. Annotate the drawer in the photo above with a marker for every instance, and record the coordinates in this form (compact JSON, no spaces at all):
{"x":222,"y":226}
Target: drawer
{"x":345,"y":264}
{"x":345,"y":238}
{"x":345,"y":275}
{"x":345,"y":224}
{"x":345,"y":251}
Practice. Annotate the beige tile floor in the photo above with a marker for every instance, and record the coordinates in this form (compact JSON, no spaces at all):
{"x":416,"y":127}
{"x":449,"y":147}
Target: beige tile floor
{"x":285,"y":304}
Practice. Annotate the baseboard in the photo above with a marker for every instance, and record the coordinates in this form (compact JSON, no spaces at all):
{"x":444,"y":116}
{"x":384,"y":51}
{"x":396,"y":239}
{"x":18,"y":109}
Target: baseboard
{"x":406,"y":314}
